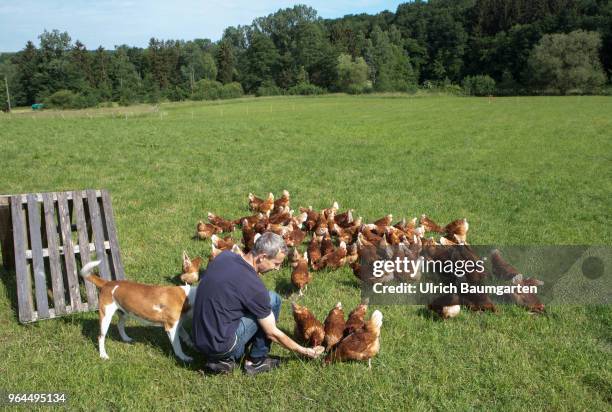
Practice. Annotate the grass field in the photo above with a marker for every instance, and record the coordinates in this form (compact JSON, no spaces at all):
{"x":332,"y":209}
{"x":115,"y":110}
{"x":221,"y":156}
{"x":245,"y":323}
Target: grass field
{"x":522,"y":170}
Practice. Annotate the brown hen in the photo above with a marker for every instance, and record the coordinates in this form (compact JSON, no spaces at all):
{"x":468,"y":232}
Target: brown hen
{"x":300,"y":276}
{"x":226,"y":225}
{"x":334,"y":326}
{"x":190,"y":270}
{"x":359,"y":345}
{"x":307,"y":327}
{"x":356,"y":318}
{"x":206,"y":230}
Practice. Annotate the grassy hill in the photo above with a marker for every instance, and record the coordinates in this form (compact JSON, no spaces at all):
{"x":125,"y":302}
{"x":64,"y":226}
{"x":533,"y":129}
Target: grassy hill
{"x":529,"y":170}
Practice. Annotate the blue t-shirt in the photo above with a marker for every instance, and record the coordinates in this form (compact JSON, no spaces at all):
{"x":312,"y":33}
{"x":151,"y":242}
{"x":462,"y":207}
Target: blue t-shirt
{"x":229,"y":290}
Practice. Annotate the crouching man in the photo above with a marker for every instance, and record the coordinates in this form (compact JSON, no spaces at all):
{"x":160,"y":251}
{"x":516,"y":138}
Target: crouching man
{"x":234,"y":311}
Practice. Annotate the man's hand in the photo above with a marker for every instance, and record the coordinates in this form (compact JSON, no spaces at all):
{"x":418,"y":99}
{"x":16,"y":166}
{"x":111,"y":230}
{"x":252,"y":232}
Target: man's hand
{"x":313,"y":352}
{"x":268,"y":324}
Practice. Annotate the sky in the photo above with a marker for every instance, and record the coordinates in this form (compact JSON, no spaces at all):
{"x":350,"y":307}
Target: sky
{"x":134,"y":22}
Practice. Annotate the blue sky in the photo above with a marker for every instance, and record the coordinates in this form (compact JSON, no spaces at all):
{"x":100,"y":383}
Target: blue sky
{"x":134,"y":22}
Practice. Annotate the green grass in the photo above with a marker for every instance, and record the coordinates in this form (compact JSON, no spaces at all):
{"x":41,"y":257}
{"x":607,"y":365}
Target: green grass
{"x":522,"y":170}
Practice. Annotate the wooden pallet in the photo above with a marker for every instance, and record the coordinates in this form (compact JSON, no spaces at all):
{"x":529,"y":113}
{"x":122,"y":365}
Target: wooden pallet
{"x":46,"y":238}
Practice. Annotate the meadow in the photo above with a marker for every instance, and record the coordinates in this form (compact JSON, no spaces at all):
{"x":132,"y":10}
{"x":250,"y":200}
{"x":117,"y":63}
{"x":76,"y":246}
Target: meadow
{"x":523,"y":171}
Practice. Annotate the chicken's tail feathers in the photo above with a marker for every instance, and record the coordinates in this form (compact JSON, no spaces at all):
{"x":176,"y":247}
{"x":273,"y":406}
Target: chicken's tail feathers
{"x":420,"y":231}
{"x":377,"y":318}
{"x":349,"y":216}
{"x":256,"y":237}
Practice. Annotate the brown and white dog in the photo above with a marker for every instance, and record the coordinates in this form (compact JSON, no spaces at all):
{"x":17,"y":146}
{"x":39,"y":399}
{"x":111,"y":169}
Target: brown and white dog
{"x":166,"y":306}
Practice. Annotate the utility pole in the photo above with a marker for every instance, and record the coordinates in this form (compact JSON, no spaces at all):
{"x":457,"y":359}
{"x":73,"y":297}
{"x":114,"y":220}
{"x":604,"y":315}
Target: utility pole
{"x":8,"y":96}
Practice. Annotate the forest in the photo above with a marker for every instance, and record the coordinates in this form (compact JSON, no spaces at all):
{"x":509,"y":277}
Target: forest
{"x":473,"y":47}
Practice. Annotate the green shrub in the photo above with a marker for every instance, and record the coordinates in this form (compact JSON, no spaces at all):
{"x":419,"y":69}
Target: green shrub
{"x":352,"y":74}
{"x":207,"y":90}
{"x":61,"y":99}
{"x":439,"y":86}
{"x":362,"y":88}
{"x":176,"y":93}
{"x":268,"y":89}
{"x":66,"y":99}
{"x":428,"y":85}
{"x":127,"y":97}
{"x":412,"y":88}
{"x":453,"y":89}
{"x":385,"y":84}
{"x":212,"y":90}
{"x":231,"y":91}
{"x":567,"y":63}
{"x":306,"y":89}
{"x":153,"y":96}
{"x":507,"y":86}
{"x":480,"y":85}
{"x":90,"y":98}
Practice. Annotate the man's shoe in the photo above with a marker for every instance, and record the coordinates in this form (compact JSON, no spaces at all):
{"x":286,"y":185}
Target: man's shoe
{"x":264,"y":365}
{"x":220,"y":366}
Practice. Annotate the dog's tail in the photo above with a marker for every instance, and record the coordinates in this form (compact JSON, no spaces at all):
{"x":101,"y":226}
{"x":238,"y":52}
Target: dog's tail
{"x":96,"y":280}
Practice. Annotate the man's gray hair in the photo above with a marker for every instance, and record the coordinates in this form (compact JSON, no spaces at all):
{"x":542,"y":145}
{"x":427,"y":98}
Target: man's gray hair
{"x":269,"y":244}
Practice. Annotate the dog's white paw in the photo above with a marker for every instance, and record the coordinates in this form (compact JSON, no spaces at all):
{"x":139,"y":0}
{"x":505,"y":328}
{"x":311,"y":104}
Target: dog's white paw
{"x":187,"y":359}
{"x":127,"y":339}
{"x":104,"y":356}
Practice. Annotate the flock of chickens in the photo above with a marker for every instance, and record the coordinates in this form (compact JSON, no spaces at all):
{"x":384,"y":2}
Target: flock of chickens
{"x":338,"y":239}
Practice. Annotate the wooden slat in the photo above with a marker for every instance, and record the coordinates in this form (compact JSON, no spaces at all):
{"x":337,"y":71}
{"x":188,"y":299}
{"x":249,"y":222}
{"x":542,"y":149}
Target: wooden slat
{"x":53,"y":313}
{"x":57,"y":282}
{"x":24,"y":197}
{"x":96,"y":223}
{"x":71,"y":272}
{"x":112,"y":235}
{"x":76,"y":249}
{"x":6,"y":234}
{"x":77,"y":199}
{"x":38,"y":263}
{"x":23,"y":290}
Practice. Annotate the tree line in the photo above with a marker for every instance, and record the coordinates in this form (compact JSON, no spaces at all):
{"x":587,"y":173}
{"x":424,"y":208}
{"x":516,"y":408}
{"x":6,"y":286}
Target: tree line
{"x":465,"y":46}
